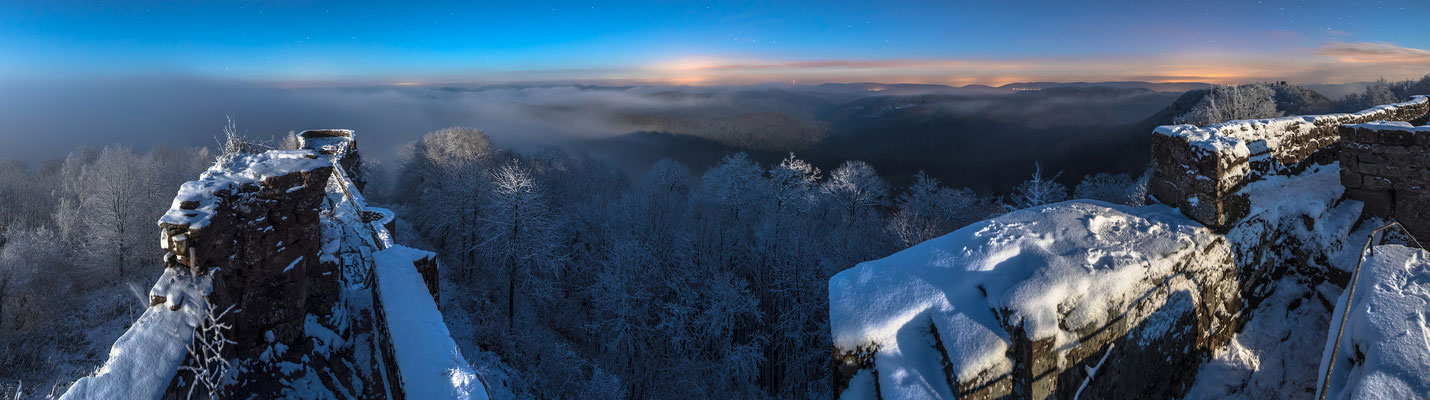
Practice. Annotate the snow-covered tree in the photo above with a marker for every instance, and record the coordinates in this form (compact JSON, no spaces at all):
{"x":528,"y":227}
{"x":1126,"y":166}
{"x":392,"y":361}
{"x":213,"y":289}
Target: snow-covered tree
{"x":117,"y":188}
{"x":1379,"y":94}
{"x":1037,"y":190}
{"x":855,"y":189}
{"x":517,"y":231}
{"x":1226,"y":103}
{"x":927,"y":210}
{"x":1112,"y":188}
{"x":25,"y":278}
{"x":443,"y":179}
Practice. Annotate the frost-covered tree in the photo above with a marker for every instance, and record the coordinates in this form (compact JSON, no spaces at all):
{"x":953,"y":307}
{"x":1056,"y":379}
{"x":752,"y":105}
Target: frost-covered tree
{"x":443,"y":179}
{"x":25,"y":276}
{"x":1112,"y":188}
{"x":727,"y":209}
{"x":291,"y":141}
{"x":25,"y":198}
{"x":927,"y":210}
{"x":855,"y":189}
{"x":517,"y":232}
{"x":1225,"y":103}
{"x":1037,"y":190}
{"x":1379,"y":94}
{"x":117,"y":189}
{"x":207,"y":361}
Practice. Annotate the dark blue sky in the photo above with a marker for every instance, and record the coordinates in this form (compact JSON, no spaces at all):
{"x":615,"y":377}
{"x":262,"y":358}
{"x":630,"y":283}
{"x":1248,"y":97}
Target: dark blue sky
{"x":322,"y":43}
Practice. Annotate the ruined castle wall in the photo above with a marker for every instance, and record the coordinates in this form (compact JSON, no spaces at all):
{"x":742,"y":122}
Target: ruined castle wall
{"x":339,"y":146}
{"x":1387,"y":166}
{"x":1202,"y":170}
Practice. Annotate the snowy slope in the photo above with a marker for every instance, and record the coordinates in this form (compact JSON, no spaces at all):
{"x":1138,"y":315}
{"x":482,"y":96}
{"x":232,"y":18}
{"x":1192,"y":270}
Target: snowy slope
{"x":1050,"y":269}
{"x":1385,"y":350}
{"x":144,"y":360}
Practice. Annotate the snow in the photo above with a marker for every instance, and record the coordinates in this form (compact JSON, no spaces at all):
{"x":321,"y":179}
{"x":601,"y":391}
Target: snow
{"x":1206,"y":139}
{"x":292,"y":264}
{"x":1311,"y":193}
{"x":1385,"y":350}
{"x":246,"y":169}
{"x":1053,"y":268}
{"x":1393,"y":125}
{"x":431,"y":365}
{"x":861,"y":387}
{"x":1272,"y":355}
{"x":144,"y":360}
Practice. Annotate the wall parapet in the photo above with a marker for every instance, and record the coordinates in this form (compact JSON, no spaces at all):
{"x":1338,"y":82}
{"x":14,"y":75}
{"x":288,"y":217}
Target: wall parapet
{"x":1201,"y":170}
{"x":1386,"y":165}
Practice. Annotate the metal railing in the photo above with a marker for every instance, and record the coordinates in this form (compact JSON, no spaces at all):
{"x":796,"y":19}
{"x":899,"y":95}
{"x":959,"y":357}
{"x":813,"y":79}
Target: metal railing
{"x":1366,"y":249}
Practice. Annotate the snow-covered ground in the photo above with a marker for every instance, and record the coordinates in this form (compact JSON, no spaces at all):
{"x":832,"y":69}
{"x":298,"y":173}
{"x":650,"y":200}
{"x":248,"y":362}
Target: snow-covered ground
{"x":1272,"y":354}
{"x":1385,"y":349}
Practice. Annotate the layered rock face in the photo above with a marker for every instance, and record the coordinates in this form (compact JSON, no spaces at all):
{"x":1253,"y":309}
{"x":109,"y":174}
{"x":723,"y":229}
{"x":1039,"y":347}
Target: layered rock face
{"x":254,"y":224}
{"x":1387,"y":166}
{"x":1202,"y":170}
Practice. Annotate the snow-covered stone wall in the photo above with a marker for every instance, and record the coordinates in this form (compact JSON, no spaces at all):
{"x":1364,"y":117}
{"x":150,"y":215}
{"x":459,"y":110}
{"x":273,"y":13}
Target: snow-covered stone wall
{"x":1387,"y":166}
{"x":340,"y":147}
{"x":1202,"y":170}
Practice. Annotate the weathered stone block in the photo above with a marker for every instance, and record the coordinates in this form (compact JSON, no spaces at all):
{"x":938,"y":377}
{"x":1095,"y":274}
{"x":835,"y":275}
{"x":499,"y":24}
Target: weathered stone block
{"x":1395,"y":171}
{"x":1350,"y":178}
{"x":1422,"y":138}
{"x":1377,"y":202}
{"x":1369,"y":158}
{"x":1395,"y":137}
{"x":1378,"y":183}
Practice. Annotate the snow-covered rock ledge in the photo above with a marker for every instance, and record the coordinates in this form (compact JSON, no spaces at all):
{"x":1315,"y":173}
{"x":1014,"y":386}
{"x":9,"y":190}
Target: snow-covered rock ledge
{"x":1075,"y":297}
{"x":1385,"y":350}
{"x":146,"y":358}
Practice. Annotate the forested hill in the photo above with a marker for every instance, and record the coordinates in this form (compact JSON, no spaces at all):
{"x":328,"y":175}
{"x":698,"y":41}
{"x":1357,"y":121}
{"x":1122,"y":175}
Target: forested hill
{"x":985,"y":138}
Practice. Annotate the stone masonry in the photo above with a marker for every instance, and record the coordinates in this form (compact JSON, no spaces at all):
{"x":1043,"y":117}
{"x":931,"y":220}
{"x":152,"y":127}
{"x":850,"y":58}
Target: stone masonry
{"x":1387,"y":166}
